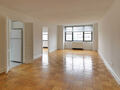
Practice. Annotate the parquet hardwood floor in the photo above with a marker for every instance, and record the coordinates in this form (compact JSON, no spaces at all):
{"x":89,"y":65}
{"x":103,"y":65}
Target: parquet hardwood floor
{"x":61,"y":70}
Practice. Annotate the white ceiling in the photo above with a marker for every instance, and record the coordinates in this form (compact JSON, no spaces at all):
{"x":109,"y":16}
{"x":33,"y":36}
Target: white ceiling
{"x":61,"y":11}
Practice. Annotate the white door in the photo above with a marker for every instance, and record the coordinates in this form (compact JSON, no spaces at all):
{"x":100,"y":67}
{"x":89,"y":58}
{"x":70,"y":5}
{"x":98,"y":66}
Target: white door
{"x":16,"y":46}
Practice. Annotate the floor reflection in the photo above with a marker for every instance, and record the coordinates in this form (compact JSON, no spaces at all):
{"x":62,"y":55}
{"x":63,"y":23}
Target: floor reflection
{"x":45,"y":56}
{"x":61,"y":70}
{"x":77,"y":63}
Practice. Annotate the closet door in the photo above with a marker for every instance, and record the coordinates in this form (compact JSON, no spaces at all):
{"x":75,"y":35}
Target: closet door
{"x":16,"y":46}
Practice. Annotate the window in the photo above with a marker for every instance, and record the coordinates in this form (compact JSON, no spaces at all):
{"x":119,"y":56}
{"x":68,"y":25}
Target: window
{"x":78,"y":36}
{"x":68,"y":34}
{"x":45,"y":36}
{"x":88,"y":33}
{"x":87,"y":36}
{"x":79,"y":33}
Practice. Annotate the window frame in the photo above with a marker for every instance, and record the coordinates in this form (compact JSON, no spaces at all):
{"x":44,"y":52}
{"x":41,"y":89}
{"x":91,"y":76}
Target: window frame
{"x":79,"y":31}
{"x":78,"y":40}
{"x":65,"y":34}
{"x":88,"y":40}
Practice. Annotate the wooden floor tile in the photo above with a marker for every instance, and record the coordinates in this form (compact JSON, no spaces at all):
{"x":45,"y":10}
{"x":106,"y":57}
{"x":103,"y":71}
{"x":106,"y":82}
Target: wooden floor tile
{"x":61,"y":70}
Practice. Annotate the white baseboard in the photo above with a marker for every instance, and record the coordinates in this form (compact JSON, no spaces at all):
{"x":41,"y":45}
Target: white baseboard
{"x":117,"y":78}
{"x":2,"y":70}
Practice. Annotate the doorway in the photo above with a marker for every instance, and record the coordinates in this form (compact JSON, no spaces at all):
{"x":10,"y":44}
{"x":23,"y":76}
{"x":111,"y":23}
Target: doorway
{"x":45,"y":40}
{"x":15,"y":43}
{"x":45,"y":45}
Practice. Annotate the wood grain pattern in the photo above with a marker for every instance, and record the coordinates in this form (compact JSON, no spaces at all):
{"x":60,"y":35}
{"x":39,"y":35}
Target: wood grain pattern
{"x":61,"y":70}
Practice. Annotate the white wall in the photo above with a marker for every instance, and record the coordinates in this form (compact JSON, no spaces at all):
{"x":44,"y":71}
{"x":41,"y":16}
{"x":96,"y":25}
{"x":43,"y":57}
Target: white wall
{"x":45,"y":29}
{"x":52,"y":40}
{"x":37,"y":36}
{"x":28,"y":43}
{"x":37,"y":40}
{"x":13,"y":15}
{"x":109,"y":39}
{"x":3,"y":43}
{"x":60,"y":37}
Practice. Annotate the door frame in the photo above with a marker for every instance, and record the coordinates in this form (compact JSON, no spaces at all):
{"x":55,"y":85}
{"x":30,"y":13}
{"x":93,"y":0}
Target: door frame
{"x":42,"y":37}
{"x":9,"y":21}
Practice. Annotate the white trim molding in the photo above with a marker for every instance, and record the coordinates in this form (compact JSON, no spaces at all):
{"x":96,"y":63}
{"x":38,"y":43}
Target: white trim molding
{"x":111,"y":70}
{"x":37,"y":56}
{"x":2,"y":70}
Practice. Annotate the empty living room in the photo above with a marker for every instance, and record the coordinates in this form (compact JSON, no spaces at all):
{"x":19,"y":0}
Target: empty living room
{"x":59,"y":44}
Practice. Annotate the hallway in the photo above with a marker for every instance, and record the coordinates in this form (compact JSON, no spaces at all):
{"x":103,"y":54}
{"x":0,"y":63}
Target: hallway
{"x":61,"y":70}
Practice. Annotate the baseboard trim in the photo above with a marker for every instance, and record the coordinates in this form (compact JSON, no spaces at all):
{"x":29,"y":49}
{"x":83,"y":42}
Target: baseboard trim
{"x":2,"y":70}
{"x":111,"y":70}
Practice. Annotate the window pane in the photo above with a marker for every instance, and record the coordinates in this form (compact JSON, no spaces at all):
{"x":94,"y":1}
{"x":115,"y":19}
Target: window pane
{"x":88,"y":28}
{"x":45,"y":36}
{"x":68,"y":29}
{"x":78,"y":36}
{"x":69,"y":36}
{"x":75,"y":33}
{"x":87,"y":36}
{"x":78,"y":28}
